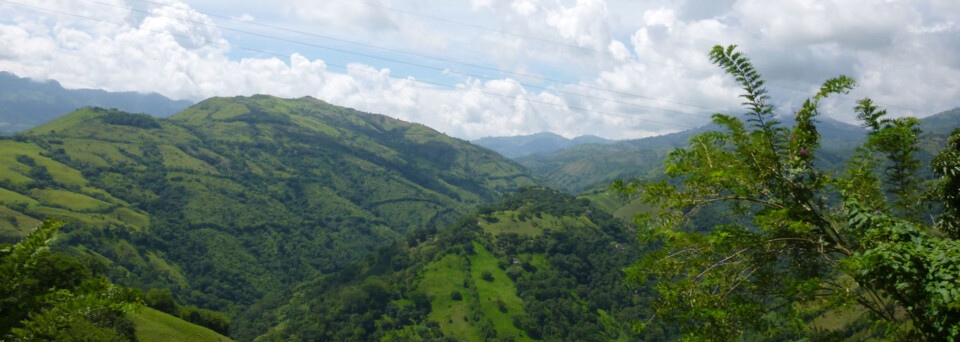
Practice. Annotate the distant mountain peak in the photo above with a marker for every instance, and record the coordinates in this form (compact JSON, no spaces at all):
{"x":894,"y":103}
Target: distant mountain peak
{"x":542,"y":143}
{"x":26,"y":103}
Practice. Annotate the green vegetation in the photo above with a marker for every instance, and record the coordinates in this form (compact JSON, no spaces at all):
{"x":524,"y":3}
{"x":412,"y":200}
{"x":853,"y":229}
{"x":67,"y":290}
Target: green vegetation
{"x":239,"y":200}
{"x":474,"y":282}
{"x":26,"y":103}
{"x":157,"y":326}
{"x":47,"y":296}
{"x":804,"y":242}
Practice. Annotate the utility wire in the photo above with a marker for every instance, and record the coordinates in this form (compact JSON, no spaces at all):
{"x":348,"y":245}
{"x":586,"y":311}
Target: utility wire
{"x":346,"y":67}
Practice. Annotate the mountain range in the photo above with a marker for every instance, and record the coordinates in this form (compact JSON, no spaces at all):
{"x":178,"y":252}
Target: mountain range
{"x":235,"y":200}
{"x":301,"y":220}
{"x":582,"y":167}
{"x":26,"y":103}
{"x":543,"y":143}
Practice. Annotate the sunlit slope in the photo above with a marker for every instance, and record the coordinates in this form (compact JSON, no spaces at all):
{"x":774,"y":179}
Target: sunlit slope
{"x":540,"y":265}
{"x":236,"y":198}
{"x":157,"y":326}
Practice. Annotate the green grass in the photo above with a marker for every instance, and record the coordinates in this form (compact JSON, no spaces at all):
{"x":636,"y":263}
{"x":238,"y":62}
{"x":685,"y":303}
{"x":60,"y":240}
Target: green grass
{"x":440,"y":279}
{"x":174,"y":158}
{"x":69,"y":200}
{"x":157,"y":326}
{"x":12,"y":169}
{"x":66,"y":121}
{"x":138,"y":220}
{"x":501,"y":288}
{"x":608,"y":201}
{"x":506,"y":223}
{"x":9,"y":197}
{"x":67,"y":216}
{"x":14,"y":225}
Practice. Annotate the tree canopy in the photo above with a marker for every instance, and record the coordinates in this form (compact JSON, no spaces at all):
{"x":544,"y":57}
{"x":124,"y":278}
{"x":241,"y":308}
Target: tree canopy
{"x":801,"y":241}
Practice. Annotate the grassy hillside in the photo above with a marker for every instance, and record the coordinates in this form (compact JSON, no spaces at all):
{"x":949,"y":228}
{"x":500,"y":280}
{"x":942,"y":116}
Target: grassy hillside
{"x":157,"y":326}
{"x":540,"y":265}
{"x":236,"y":199}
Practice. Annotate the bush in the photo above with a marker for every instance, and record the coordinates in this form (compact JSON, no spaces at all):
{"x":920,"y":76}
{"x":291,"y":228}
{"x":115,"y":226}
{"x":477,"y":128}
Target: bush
{"x":514,"y":272}
{"x":486,"y":275}
{"x":455,"y":295}
{"x":162,"y":299}
{"x":207,"y":318}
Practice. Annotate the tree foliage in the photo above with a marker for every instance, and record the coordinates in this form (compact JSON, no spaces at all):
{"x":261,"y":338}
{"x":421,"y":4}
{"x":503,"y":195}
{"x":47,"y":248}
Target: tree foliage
{"x":45,"y":296}
{"x":803,"y":241}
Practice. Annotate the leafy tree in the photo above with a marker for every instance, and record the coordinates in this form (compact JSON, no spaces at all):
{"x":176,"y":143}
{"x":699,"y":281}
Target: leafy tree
{"x":162,"y":299}
{"x":46,"y":296}
{"x":803,"y":241}
{"x":947,"y":166}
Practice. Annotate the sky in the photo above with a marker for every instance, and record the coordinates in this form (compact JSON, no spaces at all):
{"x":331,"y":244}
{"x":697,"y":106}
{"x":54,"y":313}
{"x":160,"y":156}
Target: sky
{"x":619,"y":69}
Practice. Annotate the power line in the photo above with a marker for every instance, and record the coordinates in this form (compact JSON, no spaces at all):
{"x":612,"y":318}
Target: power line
{"x":346,"y":67}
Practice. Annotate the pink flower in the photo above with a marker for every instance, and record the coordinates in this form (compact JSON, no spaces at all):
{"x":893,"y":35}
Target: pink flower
{"x":793,"y":137}
{"x":876,"y":212}
{"x":803,"y":151}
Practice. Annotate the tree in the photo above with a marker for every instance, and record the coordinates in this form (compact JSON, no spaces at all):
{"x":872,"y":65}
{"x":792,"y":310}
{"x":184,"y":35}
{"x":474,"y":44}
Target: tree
{"x":45,"y":296}
{"x":802,"y":241}
{"x":947,"y":167}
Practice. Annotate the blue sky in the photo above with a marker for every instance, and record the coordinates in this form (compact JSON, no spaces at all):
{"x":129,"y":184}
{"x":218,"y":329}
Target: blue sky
{"x":474,"y":68}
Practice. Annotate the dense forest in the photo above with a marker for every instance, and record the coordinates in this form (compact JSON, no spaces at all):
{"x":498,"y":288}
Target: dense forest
{"x":236,"y":199}
{"x":539,"y":265}
{"x":265,"y":219}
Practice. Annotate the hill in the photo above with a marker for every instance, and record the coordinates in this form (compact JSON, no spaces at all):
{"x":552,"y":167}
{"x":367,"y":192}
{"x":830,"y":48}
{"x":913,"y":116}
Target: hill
{"x":537,"y":144}
{"x":157,"y":326}
{"x":26,"y":103}
{"x":235,"y":199}
{"x":941,"y":123}
{"x":580,"y":168}
{"x":539,"y":265}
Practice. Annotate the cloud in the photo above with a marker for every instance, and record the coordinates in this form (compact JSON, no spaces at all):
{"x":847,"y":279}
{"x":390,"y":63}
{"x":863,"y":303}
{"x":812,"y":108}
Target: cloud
{"x":632,"y":68}
{"x":344,"y":14}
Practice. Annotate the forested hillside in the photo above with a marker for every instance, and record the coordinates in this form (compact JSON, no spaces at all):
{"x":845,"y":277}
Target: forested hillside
{"x":26,"y":103}
{"x":580,"y":168}
{"x":235,"y":199}
{"x":539,"y":265}
{"x":541,"y":144}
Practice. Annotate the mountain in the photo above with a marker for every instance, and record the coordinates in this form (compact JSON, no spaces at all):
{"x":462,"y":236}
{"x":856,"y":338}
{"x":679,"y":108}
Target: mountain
{"x":26,"y":103}
{"x":941,"y":123}
{"x":536,"y":144}
{"x":579,"y":168}
{"x":234,"y":200}
{"x":157,"y":326}
{"x":539,"y":265}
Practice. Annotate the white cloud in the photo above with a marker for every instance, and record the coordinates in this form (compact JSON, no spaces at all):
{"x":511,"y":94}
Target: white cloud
{"x":635,"y":68}
{"x":344,"y":14}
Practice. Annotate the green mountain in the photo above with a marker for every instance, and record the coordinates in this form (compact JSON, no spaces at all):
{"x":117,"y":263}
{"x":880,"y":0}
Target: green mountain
{"x":26,"y":103}
{"x":543,"y":143}
{"x":583,"y":167}
{"x":157,"y":326}
{"x":236,"y":199}
{"x":941,"y":123}
{"x":539,"y":265}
